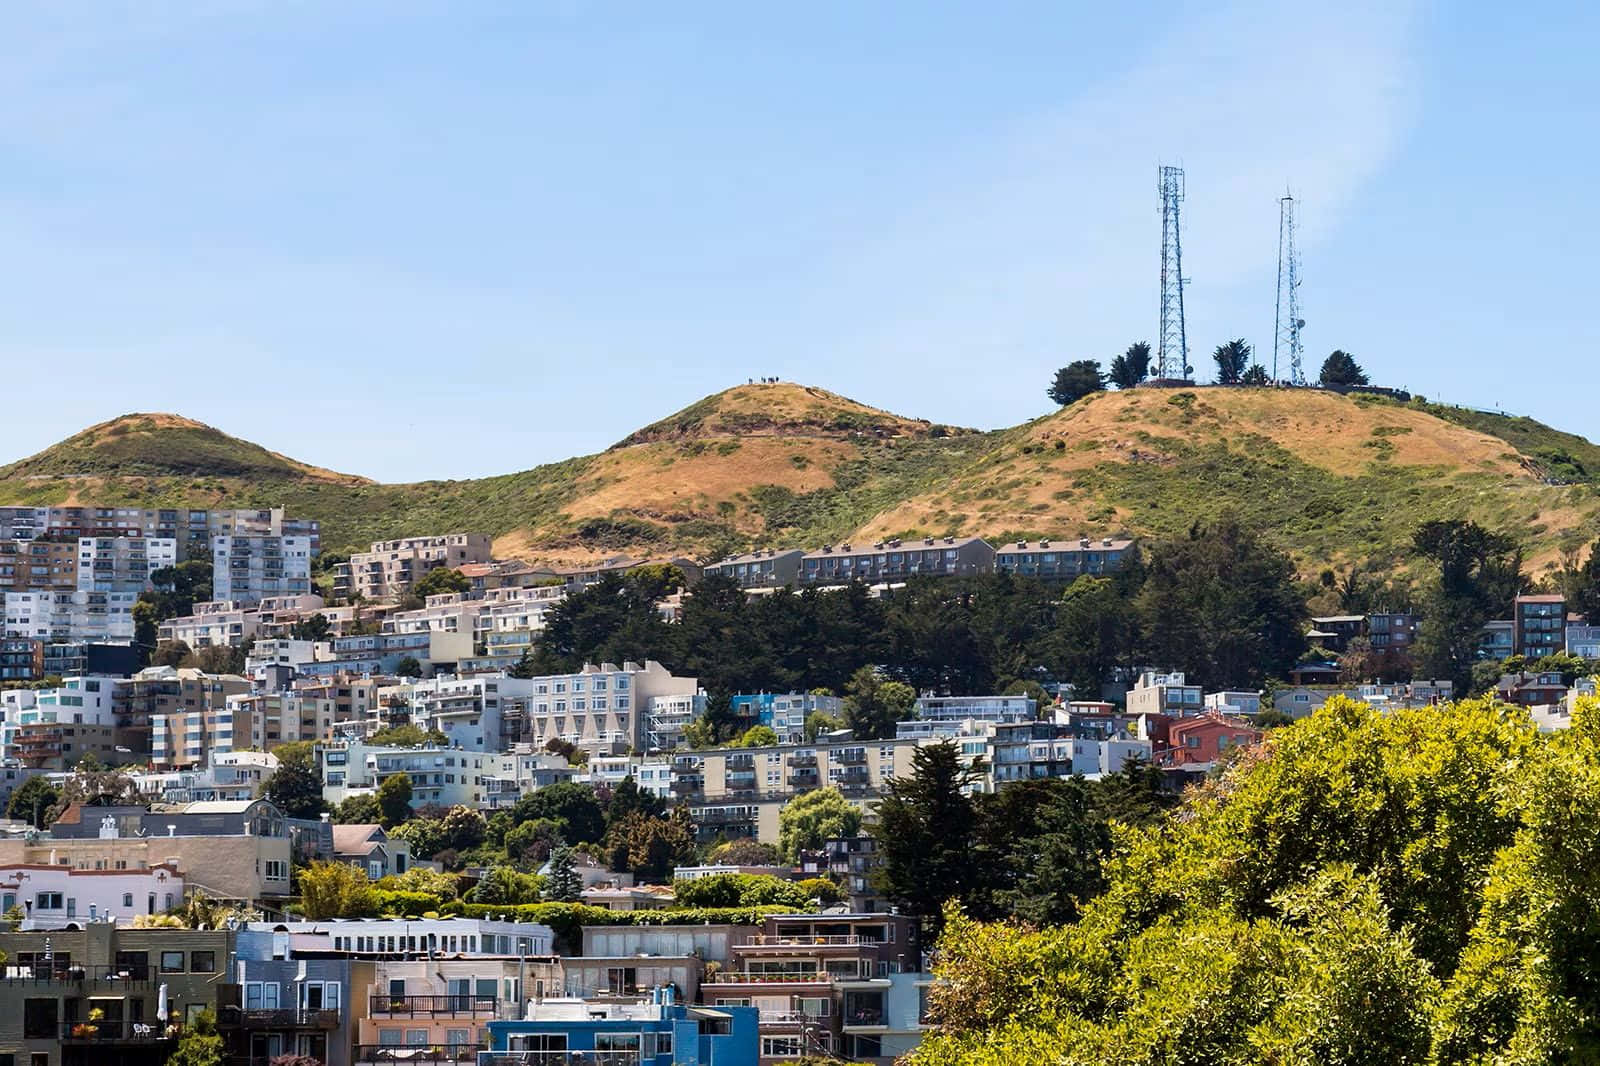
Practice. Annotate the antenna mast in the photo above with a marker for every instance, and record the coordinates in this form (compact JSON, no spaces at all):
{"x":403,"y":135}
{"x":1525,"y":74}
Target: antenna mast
{"x":1287,"y":322}
{"x":1173,"y":358}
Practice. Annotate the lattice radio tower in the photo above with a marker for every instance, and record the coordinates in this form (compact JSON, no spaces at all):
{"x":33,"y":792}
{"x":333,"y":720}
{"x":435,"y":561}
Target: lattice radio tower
{"x":1287,"y":322}
{"x":1173,"y":358}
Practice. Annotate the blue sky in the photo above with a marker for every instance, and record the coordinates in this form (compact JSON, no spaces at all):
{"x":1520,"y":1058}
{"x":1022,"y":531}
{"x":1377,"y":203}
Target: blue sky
{"x":446,"y":240}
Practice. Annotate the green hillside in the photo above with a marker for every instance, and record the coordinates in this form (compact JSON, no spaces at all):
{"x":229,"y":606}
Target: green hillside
{"x":1334,"y":478}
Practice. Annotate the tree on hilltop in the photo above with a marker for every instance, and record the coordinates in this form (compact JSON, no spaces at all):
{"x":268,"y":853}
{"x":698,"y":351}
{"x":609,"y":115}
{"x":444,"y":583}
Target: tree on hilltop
{"x":1075,"y":381}
{"x":1341,"y":369}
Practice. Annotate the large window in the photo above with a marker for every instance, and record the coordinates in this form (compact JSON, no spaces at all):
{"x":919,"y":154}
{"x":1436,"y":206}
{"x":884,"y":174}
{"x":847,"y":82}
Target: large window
{"x":617,"y":1041}
{"x":202,"y":962}
{"x":172,"y":962}
{"x":40,"y":1019}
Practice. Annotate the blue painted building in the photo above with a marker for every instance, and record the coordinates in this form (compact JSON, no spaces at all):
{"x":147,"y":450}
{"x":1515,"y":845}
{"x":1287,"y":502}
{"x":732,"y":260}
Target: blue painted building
{"x":653,"y":1032}
{"x":785,"y":713}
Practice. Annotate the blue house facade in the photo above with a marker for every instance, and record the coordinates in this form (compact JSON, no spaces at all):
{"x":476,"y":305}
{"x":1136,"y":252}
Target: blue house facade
{"x":656,"y":1032}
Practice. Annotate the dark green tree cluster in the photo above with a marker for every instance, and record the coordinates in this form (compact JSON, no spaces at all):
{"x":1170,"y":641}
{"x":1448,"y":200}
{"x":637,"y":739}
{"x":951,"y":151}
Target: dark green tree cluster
{"x":1219,"y":602}
{"x":1479,"y":573}
{"x":1032,"y":850}
{"x":1233,"y":360}
{"x":174,"y":592}
{"x":1412,"y":886}
{"x":1131,"y":367}
{"x":1075,"y":381}
{"x":1341,"y":370}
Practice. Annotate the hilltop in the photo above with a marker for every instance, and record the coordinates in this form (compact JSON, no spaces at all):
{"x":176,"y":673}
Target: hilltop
{"x":1333,"y":478}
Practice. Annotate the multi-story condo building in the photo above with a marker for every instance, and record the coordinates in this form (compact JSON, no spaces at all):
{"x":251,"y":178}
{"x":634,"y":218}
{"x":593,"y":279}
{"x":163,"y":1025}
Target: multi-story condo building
{"x":289,"y":1001}
{"x":192,"y":529}
{"x":219,"y":623}
{"x":511,"y":618}
{"x":231,"y":777}
{"x":785,"y":713}
{"x":511,"y":775}
{"x":444,"y":776}
{"x":1583,"y":641}
{"x":894,"y":560}
{"x":1029,"y":751}
{"x":1541,"y":625}
{"x":391,"y":567}
{"x":602,"y":709}
{"x":38,"y":565}
{"x":654,"y":1031}
{"x":822,"y":984}
{"x":977,"y":708}
{"x":667,"y":718}
{"x":1158,"y":693}
{"x":1065,"y":560}
{"x":92,"y":993}
{"x":762,"y":569}
{"x":66,"y":658}
{"x":738,"y":792}
{"x":81,"y":616}
{"x":21,"y":659}
{"x":1498,"y":639}
{"x":185,"y":711}
{"x":122,"y":564}
{"x":1392,"y":630}
{"x":249,"y":568}
{"x":66,"y":723}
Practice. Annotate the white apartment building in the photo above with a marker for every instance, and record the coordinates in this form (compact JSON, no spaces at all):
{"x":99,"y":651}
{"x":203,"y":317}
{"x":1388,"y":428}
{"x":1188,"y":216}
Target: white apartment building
{"x":469,"y":711}
{"x":601,"y":708}
{"x":445,"y":776}
{"x":81,"y":616}
{"x":512,"y":617}
{"x":122,"y":564}
{"x":511,"y":775}
{"x":668,"y":717}
{"x":214,"y":622}
{"x":52,"y":895}
{"x":252,"y":567}
{"x":284,"y":652}
{"x":1158,"y":693}
{"x":418,"y":936}
{"x":652,"y":774}
{"x":391,"y":567}
{"x":977,"y":708}
{"x":232,"y":777}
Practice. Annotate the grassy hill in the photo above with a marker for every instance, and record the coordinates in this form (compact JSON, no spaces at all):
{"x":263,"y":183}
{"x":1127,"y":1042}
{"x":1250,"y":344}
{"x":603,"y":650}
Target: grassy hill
{"x":1334,"y":478}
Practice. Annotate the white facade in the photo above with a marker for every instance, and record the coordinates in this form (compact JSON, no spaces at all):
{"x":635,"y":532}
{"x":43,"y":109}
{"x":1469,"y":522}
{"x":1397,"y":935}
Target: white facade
{"x":452,"y":936}
{"x":222,"y":623}
{"x":98,"y":617}
{"x":601,"y":708}
{"x":122,"y":564}
{"x":52,"y":896}
{"x":249,"y":568}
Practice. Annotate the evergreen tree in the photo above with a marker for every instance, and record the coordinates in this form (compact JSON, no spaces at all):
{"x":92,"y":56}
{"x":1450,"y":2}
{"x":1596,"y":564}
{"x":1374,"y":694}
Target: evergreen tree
{"x":1075,"y":381}
{"x":926,"y":831}
{"x":563,"y":884}
{"x":1340,"y":369}
{"x":1232,"y":358}
{"x":294,"y":786}
{"x":394,"y":800}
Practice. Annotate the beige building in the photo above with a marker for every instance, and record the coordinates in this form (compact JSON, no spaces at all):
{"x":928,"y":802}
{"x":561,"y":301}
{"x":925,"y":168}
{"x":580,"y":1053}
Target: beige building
{"x":391,"y":567}
{"x":44,"y":565}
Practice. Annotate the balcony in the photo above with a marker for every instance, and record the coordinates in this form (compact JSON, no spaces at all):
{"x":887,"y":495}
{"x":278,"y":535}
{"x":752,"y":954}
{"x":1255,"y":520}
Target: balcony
{"x":766,"y":977}
{"x":850,"y":756}
{"x":289,"y":1018}
{"x":804,"y":779}
{"x":113,"y":1032}
{"x":412,"y":1055}
{"x":120,"y":976}
{"x":726,"y":817}
{"x":558,"y":1058}
{"x":435,"y":1006}
{"x":800,"y":762}
{"x":736,"y":763}
{"x":834,"y":941}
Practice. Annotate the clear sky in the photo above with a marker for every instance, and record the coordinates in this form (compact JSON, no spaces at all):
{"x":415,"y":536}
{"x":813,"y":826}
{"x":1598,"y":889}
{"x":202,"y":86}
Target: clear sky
{"x":448,"y":239}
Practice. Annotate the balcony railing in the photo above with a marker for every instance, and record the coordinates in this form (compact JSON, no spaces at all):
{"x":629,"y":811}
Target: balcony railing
{"x":107,"y":1032}
{"x":288,"y":1018}
{"x":434,"y":1006}
{"x":762,"y":977}
{"x":418,"y":1055}
{"x":835,"y":940}
{"x":558,"y":1058}
{"x":41,"y":974}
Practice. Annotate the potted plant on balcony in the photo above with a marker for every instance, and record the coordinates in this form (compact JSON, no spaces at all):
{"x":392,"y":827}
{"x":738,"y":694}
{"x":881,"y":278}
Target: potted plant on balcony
{"x":87,"y":1030}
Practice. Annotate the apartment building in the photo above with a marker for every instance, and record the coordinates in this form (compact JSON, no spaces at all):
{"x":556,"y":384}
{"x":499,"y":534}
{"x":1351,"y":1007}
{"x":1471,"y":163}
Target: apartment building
{"x":653,"y":1031}
{"x":191,"y":528}
{"x":443,"y":776}
{"x":602,"y":708}
{"x":895,"y":560}
{"x":1159,"y":693}
{"x":94,"y":994}
{"x":232,"y":777}
{"x":38,"y":565}
{"x":1030,"y":751}
{"x":977,"y":708}
{"x":65,"y":659}
{"x":185,"y":711}
{"x":509,"y":776}
{"x":1392,"y":630}
{"x":762,"y":569}
{"x":785,"y":713}
{"x":1065,"y":560}
{"x":21,"y":659}
{"x":64,"y":617}
{"x":1583,"y":641}
{"x":122,"y":564}
{"x":1195,"y":743}
{"x":214,"y":623}
{"x":289,"y":1002}
{"x":738,"y":792}
{"x":51,"y":729}
{"x":1498,"y":639}
{"x":509,"y":619}
{"x":248,"y":568}
{"x":668,"y":716}
{"x":391,"y":567}
{"x":1540,"y":627}
{"x":821,"y":983}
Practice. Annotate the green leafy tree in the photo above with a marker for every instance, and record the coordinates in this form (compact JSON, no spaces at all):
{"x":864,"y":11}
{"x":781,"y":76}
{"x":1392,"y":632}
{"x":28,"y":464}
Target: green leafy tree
{"x":505,"y":885}
{"x":441,"y":580}
{"x":628,"y":798}
{"x":358,"y":810}
{"x":199,"y":1044}
{"x":574,"y":809}
{"x":738,"y":890}
{"x":408,"y":735}
{"x":811,"y":819}
{"x":336,"y":890}
{"x":926,"y":830}
{"x":1479,"y":573}
{"x":873,"y":704}
{"x":33,"y":801}
{"x":294,"y":786}
{"x":1131,"y":367}
{"x":757,"y":736}
{"x":1255,"y":375}
{"x":394,"y":800}
{"x":528,"y":844}
{"x":1340,"y":369}
{"x":408,"y":666}
{"x":1232,"y":358}
{"x":563,"y":884}
{"x":651,"y":847}
{"x":745,"y":851}
{"x":464,"y":828}
{"x":1075,"y":381}
{"x":1094,"y":633}
{"x":315,"y":627}
{"x":170,"y":653}
{"x":819,"y":722}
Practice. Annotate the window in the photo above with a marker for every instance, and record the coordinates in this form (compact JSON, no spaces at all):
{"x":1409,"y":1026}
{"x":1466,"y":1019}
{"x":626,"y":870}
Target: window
{"x":277,"y":870}
{"x":202,"y":962}
{"x":40,"y":1019}
{"x":617,"y":1041}
{"x":127,"y":899}
{"x":48,"y":901}
{"x":172,"y":962}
